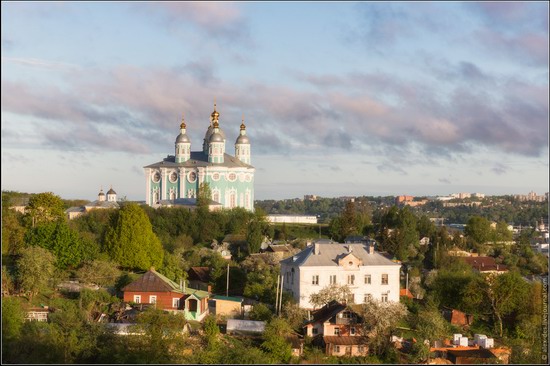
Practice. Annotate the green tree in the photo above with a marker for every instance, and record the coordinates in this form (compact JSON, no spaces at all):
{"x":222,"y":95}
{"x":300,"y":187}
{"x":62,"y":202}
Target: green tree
{"x":258,"y":227}
{"x":13,"y":231}
{"x":44,"y":207}
{"x":478,"y":231}
{"x":13,"y":318}
{"x":275,"y":343}
{"x":101,"y":273}
{"x":65,"y":243}
{"x":35,"y":269}
{"x":130,"y":240}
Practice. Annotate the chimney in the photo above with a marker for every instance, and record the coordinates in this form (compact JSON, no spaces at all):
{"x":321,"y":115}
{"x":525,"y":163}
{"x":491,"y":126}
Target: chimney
{"x":350,"y":249}
{"x":316,"y":248}
{"x":370,"y":248}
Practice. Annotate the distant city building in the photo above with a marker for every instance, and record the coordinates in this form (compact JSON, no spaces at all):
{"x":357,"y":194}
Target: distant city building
{"x":366,"y":272}
{"x":292,"y":219}
{"x":310,"y":197}
{"x":531,"y":196}
{"x":402,"y":199}
{"x":180,"y":176}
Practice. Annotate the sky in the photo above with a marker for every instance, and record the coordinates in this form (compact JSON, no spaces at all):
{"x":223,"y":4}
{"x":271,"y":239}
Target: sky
{"x":339,"y":98}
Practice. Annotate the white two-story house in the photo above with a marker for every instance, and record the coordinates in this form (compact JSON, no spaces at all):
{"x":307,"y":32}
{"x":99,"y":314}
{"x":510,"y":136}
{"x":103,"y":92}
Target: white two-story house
{"x":366,"y":272}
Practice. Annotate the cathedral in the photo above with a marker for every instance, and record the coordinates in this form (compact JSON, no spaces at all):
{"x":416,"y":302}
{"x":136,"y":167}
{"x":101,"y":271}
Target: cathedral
{"x":177,"y":177}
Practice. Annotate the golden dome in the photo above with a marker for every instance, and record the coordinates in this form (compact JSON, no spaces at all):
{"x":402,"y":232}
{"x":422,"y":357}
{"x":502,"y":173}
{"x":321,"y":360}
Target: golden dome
{"x":183,"y":125}
{"x":216,"y":124}
{"x":215,"y":114}
{"x":243,"y":127}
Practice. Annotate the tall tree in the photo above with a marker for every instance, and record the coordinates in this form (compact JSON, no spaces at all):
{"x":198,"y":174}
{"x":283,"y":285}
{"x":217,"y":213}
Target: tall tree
{"x":35,"y":269}
{"x":64,"y":242}
{"x":130,"y":240}
{"x":274,"y":340}
{"x":44,"y":207}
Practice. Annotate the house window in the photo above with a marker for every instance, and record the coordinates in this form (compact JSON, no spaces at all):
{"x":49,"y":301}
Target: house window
{"x":175,"y":302}
{"x":333,"y":279}
{"x":336,"y":331}
{"x":352,"y":331}
{"x":337,"y":349}
{"x":367,"y":297}
{"x":384,"y":297}
{"x":348,"y":350}
{"x":153,"y":299}
{"x":314,"y":331}
{"x":361,"y":348}
{"x":351,"y":279}
{"x":384,"y":279}
{"x":367,"y":279}
{"x":315,"y":280}
{"x":137,"y":299}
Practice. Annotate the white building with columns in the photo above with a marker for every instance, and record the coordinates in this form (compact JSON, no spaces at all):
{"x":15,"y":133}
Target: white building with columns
{"x":366,"y":272}
{"x":230,"y":178}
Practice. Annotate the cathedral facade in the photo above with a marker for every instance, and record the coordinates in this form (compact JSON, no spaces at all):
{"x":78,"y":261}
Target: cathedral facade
{"x":178,"y":177}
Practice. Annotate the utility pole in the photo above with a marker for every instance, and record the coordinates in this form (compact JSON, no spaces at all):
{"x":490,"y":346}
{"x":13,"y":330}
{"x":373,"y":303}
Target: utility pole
{"x":277,"y":294}
{"x":227,"y":287}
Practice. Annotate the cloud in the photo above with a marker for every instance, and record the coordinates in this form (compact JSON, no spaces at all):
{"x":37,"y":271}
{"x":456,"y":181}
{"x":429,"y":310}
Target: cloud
{"x":35,"y":62}
{"x":499,"y":169}
{"x":222,"y":21}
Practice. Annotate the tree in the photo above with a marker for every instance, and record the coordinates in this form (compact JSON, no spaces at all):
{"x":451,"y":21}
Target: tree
{"x":130,"y":240}
{"x":258,"y":227}
{"x":378,"y":320}
{"x":35,"y":269}
{"x":503,"y":293}
{"x":44,"y":207}
{"x":478,"y":231}
{"x":65,"y":243}
{"x":339,"y":293}
{"x":13,"y":231}
{"x":274,"y":340}
{"x":13,"y":318}
{"x":101,"y":273}
{"x":211,"y":331}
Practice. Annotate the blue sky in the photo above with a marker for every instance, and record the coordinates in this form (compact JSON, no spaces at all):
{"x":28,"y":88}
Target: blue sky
{"x":339,"y":98}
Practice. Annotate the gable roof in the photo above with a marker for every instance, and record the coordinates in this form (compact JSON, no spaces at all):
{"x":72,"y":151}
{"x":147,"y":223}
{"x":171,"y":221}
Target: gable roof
{"x":277,"y":248}
{"x":484,"y":264}
{"x":152,"y":281}
{"x":327,"y":312}
{"x":329,"y":253}
{"x":199,"y":274}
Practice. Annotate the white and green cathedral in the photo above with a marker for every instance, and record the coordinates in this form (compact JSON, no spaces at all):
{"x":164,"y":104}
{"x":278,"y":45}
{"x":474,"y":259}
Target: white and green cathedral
{"x":177,"y":178}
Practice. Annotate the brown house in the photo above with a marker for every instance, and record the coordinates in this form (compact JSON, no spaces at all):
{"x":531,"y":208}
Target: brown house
{"x":154,"y":288}
{"x":336,"y":327}
{"x":199,"y":278}
{"x":485,"y":265}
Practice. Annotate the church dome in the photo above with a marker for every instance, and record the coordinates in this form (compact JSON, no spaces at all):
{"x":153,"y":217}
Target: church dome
{"x":182,"y":137}
{"x":216,"y":137}
{"x":111,"y":191}
{"x":242,"y":139}
{"x":210,"y":131}
{"x":101,"y":193}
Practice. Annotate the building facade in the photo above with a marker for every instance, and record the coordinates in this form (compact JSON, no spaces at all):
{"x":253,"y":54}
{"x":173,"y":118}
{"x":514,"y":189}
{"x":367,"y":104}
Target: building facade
{"x":230,"y":178}
{"x":367,"y":273}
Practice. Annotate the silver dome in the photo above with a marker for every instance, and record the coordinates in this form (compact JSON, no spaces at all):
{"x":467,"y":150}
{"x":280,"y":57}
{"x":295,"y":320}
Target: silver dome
{"x":210,"y":131}
{"x":182,"y":137}
{"x":242,"y":139}
{"x":216,"y":137}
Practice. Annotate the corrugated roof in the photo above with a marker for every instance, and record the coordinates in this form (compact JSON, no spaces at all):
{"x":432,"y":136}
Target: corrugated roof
{"x":227,"y":298}
{"x":483,"y":264}
{"x":152,"y":281}
{"x":329,"y":254}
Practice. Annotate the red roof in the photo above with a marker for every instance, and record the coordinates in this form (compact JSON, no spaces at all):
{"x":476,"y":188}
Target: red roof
{"x":405,"y":292}
{"x":152,"y":281}
{"x":485,"y":264}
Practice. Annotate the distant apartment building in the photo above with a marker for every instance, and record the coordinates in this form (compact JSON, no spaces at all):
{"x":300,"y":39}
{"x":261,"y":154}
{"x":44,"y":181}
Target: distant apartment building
{"x":366,"y":272}
{"x":403,"y":199}
{"x":531,"y":196}
{"x":292,"y":219}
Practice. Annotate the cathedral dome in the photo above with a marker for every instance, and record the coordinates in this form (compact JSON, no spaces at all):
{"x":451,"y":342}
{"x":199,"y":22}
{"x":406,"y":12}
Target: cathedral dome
{"x":216,"y":137}
{"x":210,"y":132}
{"x":111,"y":191}
{"x":242,"y":139}
{"x":101,"y":193}
{"x":182,"y":137}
